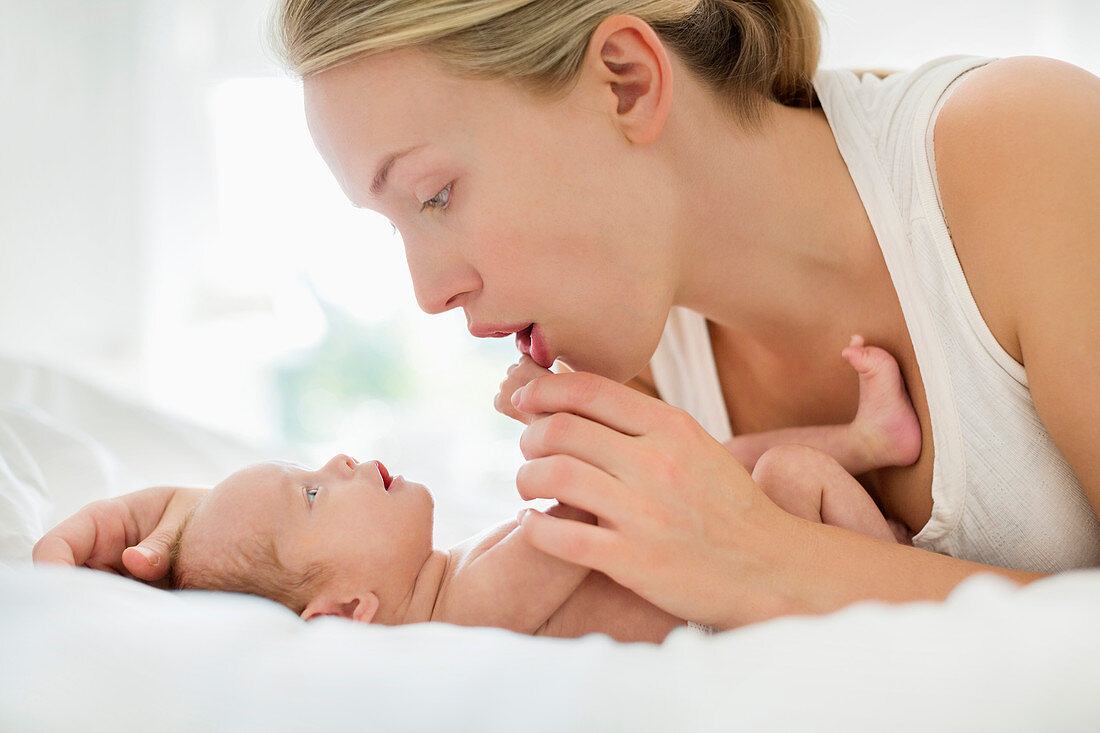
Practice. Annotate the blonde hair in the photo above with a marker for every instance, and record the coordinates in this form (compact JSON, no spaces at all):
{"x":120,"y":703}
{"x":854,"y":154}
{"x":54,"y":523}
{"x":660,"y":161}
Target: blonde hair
{"x":746,"y":51}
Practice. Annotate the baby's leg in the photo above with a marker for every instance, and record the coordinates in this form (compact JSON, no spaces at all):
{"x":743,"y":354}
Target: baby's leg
{"x":885,"y":431}
{"x":812,"y":485}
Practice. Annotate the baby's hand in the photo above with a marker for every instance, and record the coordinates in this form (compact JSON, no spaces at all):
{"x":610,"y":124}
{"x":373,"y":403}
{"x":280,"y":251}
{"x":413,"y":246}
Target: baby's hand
{"x":519,"y":374}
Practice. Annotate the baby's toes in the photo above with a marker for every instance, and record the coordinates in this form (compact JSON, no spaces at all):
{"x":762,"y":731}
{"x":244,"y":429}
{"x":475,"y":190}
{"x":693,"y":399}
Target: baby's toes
{"x":859,"y":358}
{"x":876,"y":360}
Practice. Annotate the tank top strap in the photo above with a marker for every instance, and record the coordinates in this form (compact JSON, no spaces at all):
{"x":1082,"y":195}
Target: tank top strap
{"x":877,"y":123}
{"x":685,"y":373}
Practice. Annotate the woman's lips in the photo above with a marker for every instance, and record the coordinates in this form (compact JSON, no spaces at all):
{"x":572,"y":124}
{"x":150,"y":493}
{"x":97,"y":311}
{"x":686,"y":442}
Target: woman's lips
{"x":523,"y":340}
{"x":540,"y":351}
{"x":532,"y":342}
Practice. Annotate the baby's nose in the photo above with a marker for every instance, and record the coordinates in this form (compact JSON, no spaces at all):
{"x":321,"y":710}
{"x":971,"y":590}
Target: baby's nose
{"x":342,"y":463}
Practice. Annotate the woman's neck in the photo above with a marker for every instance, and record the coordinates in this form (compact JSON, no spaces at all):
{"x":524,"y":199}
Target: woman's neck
{"x":776,"y":240}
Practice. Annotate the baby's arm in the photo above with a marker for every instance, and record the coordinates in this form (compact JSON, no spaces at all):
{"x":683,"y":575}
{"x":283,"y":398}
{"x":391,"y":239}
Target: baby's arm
{"x":885,"y":431}
{"x":503,"y":581}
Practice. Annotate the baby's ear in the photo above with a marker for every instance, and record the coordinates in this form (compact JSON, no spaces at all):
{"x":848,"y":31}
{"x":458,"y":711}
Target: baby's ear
{"x":360,"y":608}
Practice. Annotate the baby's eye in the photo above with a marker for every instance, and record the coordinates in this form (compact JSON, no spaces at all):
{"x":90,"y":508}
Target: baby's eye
{"x":310,"y":493}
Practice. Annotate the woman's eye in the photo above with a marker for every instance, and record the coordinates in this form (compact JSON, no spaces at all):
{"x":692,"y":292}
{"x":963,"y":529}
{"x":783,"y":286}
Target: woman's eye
{"x":310,"y":493}
{"x":440,"y":200}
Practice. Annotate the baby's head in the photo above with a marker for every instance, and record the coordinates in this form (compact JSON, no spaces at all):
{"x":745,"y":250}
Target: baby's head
{"x":343,"y":540}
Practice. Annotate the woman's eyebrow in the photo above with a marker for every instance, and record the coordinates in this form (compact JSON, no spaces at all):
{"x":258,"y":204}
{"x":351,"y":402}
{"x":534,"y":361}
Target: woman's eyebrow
{"x":378,"y":185}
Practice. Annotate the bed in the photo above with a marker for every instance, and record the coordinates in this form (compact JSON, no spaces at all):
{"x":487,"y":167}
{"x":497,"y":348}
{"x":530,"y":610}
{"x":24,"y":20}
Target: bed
{"x":88,"y":651}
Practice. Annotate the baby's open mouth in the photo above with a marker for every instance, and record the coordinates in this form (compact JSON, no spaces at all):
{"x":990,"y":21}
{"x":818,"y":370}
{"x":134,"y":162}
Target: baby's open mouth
{"x":386,"y":479}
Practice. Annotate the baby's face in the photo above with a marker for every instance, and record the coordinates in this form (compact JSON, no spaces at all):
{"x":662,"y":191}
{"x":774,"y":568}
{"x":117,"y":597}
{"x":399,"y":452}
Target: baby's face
{"x":346,"y":516}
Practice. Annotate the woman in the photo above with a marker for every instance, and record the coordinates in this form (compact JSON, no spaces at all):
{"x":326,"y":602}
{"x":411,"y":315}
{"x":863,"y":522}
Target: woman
{"x":570,"y":170}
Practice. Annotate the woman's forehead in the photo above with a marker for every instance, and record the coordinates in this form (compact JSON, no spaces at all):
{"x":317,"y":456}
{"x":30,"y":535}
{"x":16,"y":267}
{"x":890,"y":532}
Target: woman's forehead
{"x":390,"y":92}
{"x":399,"y":73}
{"x":377,"y":105}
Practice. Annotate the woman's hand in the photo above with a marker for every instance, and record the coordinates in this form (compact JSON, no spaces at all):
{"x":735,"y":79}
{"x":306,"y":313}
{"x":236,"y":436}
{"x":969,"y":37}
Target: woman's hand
{"x":129,"y":535}
{"x":519,"y":374}
{"x":680,"y":521}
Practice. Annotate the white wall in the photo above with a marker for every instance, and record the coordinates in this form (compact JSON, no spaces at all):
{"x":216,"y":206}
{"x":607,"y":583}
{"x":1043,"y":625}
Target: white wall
{"x":893,"y":34}
{"x":109,"y":181}
{"x":106,"y":163}
{"x":72,"y":199}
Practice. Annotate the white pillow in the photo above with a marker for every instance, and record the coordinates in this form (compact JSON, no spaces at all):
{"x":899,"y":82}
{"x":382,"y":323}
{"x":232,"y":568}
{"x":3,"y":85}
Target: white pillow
{"x":46,"y":473}
{"x":23,"y":502}
{"x":64,"y":443}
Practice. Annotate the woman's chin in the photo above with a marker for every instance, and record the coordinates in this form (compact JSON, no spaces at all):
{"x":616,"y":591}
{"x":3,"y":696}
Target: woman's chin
{"x":614,"y":369}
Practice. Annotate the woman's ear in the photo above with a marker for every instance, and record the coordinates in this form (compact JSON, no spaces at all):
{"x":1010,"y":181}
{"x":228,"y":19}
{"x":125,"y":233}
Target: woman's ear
{"x":361,"y":607}
{"x":627,"y":59}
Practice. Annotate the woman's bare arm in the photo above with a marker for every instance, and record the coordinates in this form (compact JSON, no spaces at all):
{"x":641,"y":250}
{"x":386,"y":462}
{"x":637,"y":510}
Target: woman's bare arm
{"x":683,"y":525}
{"x":1018,"y":161}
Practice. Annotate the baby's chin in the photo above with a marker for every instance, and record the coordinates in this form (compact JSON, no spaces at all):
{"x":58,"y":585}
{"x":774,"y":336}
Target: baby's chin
{"x":420,"y":497}
{"x":400,"y":485}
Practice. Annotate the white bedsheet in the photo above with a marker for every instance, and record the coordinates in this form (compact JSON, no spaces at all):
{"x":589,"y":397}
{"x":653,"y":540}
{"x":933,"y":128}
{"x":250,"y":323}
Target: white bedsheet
{"x":88,"y":651}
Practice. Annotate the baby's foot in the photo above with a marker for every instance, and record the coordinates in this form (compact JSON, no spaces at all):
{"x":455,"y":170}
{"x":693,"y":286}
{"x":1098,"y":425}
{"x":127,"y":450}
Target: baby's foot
{"x":885,"y":420}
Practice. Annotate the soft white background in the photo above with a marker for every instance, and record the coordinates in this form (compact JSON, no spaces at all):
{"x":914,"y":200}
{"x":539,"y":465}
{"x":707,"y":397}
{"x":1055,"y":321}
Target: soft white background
{"x":167,"y":230}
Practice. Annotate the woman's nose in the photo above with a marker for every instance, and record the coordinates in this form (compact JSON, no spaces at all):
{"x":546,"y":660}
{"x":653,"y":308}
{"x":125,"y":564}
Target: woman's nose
{"x":440,"y":281}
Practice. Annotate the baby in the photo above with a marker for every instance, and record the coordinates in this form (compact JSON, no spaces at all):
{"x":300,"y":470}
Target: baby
{"x":349,"y":540}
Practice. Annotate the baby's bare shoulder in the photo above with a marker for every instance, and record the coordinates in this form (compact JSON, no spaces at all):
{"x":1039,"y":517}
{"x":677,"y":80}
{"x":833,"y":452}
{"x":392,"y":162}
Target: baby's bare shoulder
{"x":499,"y":579}
{"x":460,"y":558}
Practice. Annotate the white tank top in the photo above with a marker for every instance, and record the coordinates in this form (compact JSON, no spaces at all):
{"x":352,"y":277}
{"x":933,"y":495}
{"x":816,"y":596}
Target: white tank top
{"x":1002,"y":493}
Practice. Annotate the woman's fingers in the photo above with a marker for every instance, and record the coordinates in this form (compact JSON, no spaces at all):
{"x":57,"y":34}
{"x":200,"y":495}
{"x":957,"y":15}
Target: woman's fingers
{"x":572,"y":481}
{"x":597,"y":398}
{"x":582,"y":544}
{"x":672,"y":502}
{"x":591,"y":442}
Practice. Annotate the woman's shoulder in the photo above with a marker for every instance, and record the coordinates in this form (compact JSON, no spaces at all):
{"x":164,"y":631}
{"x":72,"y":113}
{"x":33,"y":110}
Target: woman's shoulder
{"x":1021,"y":94}
{"x":1016,"y":115}
{"x":1016,"y":145}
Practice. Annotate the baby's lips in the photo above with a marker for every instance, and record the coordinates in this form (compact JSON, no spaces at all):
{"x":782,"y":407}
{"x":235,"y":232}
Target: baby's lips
{"x":385,"y":474}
